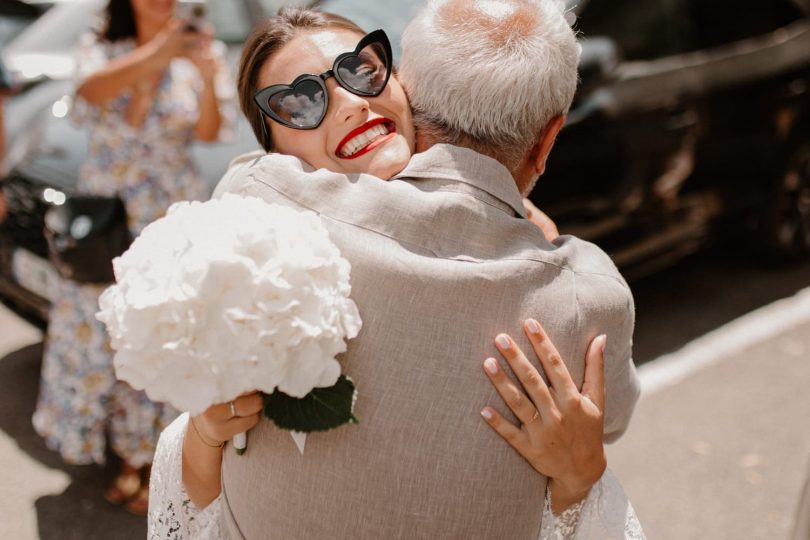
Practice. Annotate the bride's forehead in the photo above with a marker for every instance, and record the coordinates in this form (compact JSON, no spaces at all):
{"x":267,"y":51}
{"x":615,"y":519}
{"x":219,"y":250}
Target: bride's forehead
{"x":314,"y":50}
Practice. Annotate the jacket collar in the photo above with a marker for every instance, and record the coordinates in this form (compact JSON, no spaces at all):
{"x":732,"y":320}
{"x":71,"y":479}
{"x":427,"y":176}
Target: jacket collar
{"x":459,"y":164}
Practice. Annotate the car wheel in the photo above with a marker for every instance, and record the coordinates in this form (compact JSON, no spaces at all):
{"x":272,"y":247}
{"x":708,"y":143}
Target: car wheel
{"x":785,"y":224}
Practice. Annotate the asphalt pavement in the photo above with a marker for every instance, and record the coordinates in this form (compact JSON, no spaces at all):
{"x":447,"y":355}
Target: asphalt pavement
{"x":719,"y":446}
{"x":40,"y":496}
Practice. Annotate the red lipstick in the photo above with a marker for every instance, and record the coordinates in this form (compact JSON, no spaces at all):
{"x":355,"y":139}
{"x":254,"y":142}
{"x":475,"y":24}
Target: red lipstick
{"x":392,"y":130}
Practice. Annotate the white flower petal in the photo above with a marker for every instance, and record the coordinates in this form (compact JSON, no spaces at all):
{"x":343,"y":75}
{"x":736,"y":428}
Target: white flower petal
{"x":226,"y":296}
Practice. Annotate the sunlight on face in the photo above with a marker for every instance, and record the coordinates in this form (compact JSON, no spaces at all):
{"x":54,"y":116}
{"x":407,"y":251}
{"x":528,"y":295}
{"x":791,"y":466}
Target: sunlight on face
{"x":358,"y":134}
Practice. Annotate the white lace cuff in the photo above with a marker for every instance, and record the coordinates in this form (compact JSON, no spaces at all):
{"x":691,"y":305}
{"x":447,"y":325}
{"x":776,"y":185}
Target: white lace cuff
{"x":563,"y":526}
{"x":605,"y":514}
{"x":172,"y":515}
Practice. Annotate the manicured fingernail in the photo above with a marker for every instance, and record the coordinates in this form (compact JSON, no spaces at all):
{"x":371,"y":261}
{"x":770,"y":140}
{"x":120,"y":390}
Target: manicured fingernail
{"x":533,"y":327}
{"x":502,"y":341}
{"x":491,"y":365}
{"x":602,"y":342}
{"x":486,"y":413}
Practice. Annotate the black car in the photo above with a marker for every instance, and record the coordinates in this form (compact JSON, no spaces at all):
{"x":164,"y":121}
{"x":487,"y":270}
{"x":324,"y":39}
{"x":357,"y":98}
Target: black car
{"x":691,"y":121}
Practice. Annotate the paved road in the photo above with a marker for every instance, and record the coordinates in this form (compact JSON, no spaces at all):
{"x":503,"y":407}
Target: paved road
{"x":725,"y":451}
{"x":721,"y":454}
{"x":40,"y":497}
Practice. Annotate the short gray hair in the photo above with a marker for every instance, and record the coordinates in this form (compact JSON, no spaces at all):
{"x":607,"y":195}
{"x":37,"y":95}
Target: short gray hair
{"x":489,"y":74}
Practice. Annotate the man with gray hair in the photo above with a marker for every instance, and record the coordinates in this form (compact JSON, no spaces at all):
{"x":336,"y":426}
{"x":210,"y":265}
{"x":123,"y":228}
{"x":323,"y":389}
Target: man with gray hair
{"x":442,"y":261}
{"x":497,"y":77}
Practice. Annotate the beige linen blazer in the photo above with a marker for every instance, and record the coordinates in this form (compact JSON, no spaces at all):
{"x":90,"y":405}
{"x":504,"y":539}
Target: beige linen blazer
{"x":442,"y":261}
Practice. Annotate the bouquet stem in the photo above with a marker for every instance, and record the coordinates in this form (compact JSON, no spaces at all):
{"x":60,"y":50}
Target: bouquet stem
{"x":240,"y":443}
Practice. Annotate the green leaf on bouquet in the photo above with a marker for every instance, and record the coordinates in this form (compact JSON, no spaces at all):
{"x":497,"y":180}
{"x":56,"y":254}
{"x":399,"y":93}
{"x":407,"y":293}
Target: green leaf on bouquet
{"x":320,"y":410}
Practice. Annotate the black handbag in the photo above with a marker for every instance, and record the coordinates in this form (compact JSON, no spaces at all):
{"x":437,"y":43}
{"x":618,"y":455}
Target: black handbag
{"x":84,"y":235}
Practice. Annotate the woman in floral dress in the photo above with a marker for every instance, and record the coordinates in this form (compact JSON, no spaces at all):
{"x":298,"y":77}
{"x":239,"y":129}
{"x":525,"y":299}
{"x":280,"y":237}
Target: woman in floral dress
{"x":147,"y":87}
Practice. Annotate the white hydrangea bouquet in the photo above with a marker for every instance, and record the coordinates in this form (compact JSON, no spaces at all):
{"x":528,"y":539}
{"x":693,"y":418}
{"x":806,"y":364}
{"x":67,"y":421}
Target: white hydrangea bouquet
{"x":232,"y":295}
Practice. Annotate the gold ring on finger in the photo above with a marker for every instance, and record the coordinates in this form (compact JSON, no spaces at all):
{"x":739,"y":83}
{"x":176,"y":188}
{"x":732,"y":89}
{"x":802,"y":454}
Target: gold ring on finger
{"x":535,"y":417}
{"x":233,"y":409}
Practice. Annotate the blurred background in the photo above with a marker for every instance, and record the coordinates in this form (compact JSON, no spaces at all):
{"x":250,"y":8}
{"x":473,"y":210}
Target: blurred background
{"x":686,"y":156}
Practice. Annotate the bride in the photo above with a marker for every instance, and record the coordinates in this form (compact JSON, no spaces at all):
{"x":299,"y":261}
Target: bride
{"x":305,"y":116}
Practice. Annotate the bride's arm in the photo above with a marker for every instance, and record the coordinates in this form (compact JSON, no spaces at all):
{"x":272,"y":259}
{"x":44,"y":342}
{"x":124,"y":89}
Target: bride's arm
{"x":206,"y":434}
{"x":560,"y":434}
{"x":185,"y":491}
{"x":172,"y":515}
{"x":561,"y":437}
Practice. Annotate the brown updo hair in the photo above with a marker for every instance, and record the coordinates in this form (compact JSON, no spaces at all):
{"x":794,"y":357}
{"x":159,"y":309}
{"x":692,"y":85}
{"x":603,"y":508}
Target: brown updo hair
{"x":266,"y":40}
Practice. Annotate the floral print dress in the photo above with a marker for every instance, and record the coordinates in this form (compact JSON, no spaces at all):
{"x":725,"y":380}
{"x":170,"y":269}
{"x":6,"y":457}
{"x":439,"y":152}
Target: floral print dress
{"x":81,"y":405}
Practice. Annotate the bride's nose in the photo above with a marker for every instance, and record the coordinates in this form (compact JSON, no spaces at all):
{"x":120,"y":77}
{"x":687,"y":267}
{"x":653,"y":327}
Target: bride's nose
{"x":347,"y":105}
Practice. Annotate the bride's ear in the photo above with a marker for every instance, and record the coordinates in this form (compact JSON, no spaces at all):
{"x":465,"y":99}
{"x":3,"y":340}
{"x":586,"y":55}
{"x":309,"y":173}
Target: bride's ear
{"x":545,"y":143}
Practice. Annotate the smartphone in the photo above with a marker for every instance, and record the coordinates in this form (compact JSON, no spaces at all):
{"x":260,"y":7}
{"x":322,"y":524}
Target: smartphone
{"x":192,"y":12}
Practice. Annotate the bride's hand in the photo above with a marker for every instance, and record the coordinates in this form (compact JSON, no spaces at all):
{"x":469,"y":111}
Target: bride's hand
{"x":560,"y":434}
{"x":206,"y":435}
{"x":219,"y":423}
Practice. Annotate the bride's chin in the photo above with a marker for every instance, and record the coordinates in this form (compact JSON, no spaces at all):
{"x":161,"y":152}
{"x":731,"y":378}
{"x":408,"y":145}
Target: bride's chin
{"x":392,"y":160}
{"x":386,"y":167}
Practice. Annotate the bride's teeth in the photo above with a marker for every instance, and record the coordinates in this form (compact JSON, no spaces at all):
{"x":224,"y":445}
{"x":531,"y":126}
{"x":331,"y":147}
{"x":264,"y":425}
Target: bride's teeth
{"x":361,"y":140}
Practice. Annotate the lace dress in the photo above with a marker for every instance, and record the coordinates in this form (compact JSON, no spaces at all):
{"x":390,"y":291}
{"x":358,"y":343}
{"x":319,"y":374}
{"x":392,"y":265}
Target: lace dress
{"x":606,"y":513}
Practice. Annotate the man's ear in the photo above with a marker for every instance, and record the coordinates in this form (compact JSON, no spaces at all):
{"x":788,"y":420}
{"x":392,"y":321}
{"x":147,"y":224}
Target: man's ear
{"x":545,"y":143}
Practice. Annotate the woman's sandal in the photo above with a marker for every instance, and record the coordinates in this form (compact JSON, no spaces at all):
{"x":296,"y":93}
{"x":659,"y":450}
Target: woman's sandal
{"x":125,"y":486}
{"x":138,"y":504}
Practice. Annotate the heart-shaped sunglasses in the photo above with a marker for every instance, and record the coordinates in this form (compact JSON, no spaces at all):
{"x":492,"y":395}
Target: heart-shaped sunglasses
{"x":302,"y":104}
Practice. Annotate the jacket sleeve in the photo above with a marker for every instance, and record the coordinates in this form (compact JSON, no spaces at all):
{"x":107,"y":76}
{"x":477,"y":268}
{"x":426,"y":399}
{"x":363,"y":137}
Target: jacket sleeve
{"x":605,"y":306}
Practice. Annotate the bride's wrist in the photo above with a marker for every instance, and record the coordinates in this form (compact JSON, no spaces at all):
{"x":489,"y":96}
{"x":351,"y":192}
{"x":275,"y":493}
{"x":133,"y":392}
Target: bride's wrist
{"x":562,"y":496}
{"x":207,"y":441}
{"x":566,"y":492}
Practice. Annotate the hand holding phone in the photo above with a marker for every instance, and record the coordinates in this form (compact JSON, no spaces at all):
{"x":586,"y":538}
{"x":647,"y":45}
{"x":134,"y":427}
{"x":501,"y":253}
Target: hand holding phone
{"x":192,"y":12}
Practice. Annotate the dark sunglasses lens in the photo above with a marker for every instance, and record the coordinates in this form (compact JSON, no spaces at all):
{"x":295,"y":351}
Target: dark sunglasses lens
{"x":367,"y":71}
{"x":302,"y":106}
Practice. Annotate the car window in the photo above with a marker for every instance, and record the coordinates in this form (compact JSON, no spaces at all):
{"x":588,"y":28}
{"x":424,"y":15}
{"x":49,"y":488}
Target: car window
{"x":718,"y":22}
{"x":804,"y":5}
{"x":15,"y":16}
{"x":11,"y":26}
{"x":644,"y":30}
{"x":58,"y":29}
{"x":655,"y":28}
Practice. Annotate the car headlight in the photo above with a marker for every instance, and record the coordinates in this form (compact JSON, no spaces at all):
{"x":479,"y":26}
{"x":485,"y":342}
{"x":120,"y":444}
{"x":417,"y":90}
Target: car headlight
{"x":61,"y":107}
{"x":54,"y":196}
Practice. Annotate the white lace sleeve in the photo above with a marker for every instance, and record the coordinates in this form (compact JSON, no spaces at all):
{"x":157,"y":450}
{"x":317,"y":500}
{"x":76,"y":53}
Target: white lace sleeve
{"x":172,"y":515}
{"x":605,"y":514}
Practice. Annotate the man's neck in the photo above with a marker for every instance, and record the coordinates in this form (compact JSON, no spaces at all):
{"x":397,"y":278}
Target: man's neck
{"x":424,"y":140}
